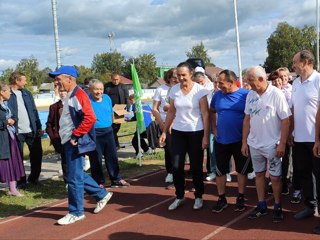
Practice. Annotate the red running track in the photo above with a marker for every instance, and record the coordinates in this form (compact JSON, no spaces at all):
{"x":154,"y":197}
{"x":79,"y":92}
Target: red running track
{"x":140,"y":212}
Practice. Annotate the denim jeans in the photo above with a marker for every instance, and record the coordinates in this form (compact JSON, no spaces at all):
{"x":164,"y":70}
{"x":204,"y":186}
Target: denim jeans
{"x":105,"y":146}
{"x":79,"y":181}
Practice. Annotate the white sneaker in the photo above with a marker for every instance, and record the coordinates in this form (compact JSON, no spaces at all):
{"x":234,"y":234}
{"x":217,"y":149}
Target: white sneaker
{"x":211,"y":177}
{"x":251,"y":175}
{"x":169,"y":178}
{"x":229,"y":178}
{"x":86,"y":165}
{"x":69,"y":218}
{"x":150,"y":151}
{"x":139,"y":155}
{"x":103,"y":202}
{"x":198,"y":203}
{"x":316,"y":212}
{"x":176,"y":204}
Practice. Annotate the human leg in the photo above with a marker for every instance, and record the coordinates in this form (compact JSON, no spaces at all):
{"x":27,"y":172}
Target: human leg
{"x":35,"y":149}
{"x":116,"y":128}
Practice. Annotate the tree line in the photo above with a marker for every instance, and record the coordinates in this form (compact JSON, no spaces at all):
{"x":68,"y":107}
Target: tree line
{"x":282,"y":44}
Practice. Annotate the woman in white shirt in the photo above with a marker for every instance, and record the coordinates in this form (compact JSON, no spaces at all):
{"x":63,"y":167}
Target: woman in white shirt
{"x":190,"y":132}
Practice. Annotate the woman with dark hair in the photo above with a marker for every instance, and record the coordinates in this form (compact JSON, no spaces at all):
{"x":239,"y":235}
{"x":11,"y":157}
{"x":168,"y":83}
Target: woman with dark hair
{"x":159,"y":103}
{"x":189,"y":114}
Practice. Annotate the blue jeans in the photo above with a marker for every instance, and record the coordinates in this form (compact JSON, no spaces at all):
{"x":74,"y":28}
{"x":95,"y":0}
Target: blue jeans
{"x":105,"y":146}
{"x":79,"y":181}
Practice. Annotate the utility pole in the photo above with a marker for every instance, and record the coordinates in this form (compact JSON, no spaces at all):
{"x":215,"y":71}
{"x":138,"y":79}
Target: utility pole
{"x":56,"y":34}
{"x":238,"y":41}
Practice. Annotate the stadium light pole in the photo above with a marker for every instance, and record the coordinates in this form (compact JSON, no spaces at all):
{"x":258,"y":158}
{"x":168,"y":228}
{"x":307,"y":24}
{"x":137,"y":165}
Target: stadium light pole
{"x":238,"y":41}
{"x":56,"y":34}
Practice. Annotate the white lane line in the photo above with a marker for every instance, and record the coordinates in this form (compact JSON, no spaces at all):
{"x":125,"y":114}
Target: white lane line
{"x":64,"y":202}
{"x":122,"y":219}
{"x":30,"y":213}
{"x":220,"y":229}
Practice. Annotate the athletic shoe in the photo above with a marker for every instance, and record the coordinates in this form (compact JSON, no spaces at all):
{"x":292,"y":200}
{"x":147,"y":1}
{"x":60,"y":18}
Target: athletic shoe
{"x":229,"y":178}
{"x":296,"y":196}
{"x":139,"y":155}
{"x":316,"y":230}
{"x":169,"y":178}
{"x":102,"y":203}
{"x":86,"y":165}
{"x":150,"y":151}
{"x":305,"y":213}
{"x":239,"y":205}
{"x":221,"y":204}
{"x":277,"y":215}
{"x":251,"y":175}
{"x":121,"y":184}
{"x":198,"y":203}
{"x":257,"y":212}
{"x":285,"y":190}
{"x":177,"y":203}
{"x":69,"y":218}
{"x":211,"y":177}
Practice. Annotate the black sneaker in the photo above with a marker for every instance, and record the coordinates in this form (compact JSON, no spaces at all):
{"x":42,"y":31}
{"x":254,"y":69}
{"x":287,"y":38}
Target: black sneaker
{"x":296,"y":197}
{"x":239,"y":205}
{"x":277,"y":215}
{"x":221,"y":204}
{"x":258,"y":212}
{"x":285,"y":190}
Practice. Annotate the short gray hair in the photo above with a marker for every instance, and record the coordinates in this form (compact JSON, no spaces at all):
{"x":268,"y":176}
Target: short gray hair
{"x":94,"y":81}
{"x":258,"y":72}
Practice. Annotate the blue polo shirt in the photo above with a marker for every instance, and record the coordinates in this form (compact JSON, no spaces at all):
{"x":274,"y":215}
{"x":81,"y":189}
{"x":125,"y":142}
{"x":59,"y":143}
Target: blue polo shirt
{"x":103,"y":111}
{"x":230,"y":115}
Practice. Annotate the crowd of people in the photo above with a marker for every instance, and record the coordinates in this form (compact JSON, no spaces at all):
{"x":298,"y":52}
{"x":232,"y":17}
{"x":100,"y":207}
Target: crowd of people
{"x":269,"y":127}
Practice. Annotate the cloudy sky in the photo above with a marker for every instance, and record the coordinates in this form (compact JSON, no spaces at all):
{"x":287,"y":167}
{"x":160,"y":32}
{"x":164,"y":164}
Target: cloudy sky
{"x":166,"y":28}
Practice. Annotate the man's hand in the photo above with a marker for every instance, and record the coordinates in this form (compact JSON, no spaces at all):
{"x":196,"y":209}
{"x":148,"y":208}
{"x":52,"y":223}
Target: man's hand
{"x":245,"y":149}
{"x":281,"y":148}
{"x":316,"y":149}
{"x":73,"y":142}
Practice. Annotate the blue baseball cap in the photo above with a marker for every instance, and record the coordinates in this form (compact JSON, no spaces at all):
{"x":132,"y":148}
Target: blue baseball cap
{"x":69,"y":70}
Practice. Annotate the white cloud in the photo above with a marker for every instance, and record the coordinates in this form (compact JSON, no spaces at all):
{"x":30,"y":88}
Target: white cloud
{"x":165,"y":28}
{"x":7,"y":63}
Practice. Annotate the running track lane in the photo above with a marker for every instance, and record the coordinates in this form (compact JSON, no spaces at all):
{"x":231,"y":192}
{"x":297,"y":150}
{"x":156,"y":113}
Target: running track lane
{"x":140,"y":212}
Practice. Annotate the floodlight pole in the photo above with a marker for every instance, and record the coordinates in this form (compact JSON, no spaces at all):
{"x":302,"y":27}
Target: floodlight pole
{"x":56,"y":34}
{"x":238,"y":41}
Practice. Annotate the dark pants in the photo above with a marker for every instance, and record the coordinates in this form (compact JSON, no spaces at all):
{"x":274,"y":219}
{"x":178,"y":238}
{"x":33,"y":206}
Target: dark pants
{"x":116,"y":128}
{"x":35,"y":155}
{"x":64,"y":165}
{"x":285,"y":164}
{"x":306,"y":167}
{"x":143,"y":143}
{"x":191,"y":143}
{"x":105,"y":146}
{"x":168,"y":153}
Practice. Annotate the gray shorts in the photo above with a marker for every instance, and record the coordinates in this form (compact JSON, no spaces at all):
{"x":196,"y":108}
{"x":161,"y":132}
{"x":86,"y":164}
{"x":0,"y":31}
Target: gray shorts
{"x":265,"y":158}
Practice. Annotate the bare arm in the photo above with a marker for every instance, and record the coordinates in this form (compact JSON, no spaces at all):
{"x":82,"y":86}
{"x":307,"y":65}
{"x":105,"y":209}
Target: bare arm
{"x":213,"y":121}
{"x":169,"y":120}
{"x":156,"y":114}
{"x":291,"y":128}
{"x":205,"y":118}
{"x":245,"y":134}
{"x":283,"y":138}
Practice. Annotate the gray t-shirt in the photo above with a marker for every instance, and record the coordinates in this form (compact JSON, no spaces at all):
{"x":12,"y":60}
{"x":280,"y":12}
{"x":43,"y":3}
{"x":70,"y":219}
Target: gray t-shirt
{"x":23,"y":122}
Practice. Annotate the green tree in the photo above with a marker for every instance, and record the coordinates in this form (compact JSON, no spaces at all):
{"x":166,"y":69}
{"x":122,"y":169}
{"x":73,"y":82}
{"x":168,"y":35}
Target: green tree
{"x":6,"y":75}
{"x":108,"y":63}
{"x":30,"y":67}
{"x":199,"y":51}
{"x":285,"y":41}
{"x":146,"y":66}
{"x":83,"y":73}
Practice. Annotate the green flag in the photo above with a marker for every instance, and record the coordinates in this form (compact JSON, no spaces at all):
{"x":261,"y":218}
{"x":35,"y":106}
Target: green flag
{"x":137,"y":97}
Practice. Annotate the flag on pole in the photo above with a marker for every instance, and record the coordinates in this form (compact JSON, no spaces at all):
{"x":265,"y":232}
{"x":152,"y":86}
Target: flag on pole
{"x":137,"y":97}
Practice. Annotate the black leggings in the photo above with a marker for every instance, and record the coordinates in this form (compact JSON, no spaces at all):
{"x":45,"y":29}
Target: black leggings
{"x":191,"y":143}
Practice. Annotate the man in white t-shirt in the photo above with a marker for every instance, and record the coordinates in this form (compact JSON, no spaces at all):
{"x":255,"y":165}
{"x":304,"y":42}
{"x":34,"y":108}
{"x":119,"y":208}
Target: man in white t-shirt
{"x":305,"y":101}
{"x":265,"y":131}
